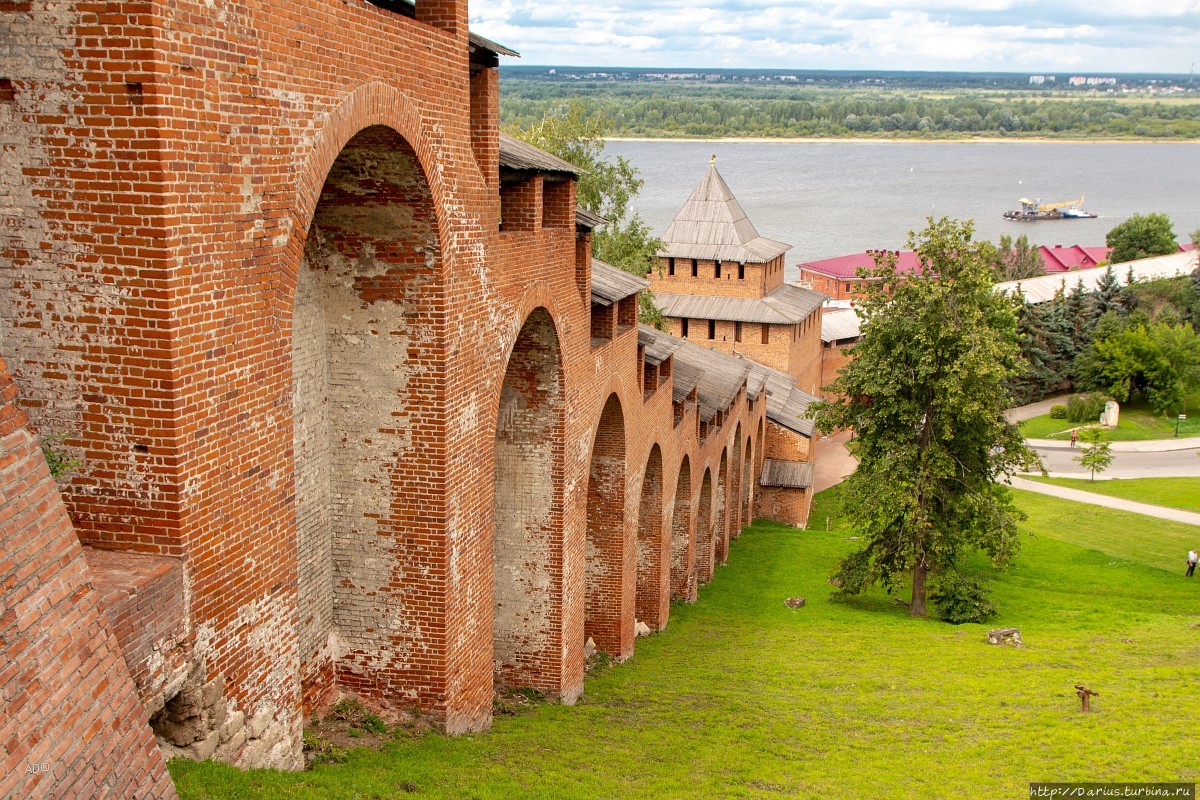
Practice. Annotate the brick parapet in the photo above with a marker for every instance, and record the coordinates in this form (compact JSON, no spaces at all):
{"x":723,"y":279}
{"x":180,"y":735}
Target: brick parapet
{"x":58,"y":651}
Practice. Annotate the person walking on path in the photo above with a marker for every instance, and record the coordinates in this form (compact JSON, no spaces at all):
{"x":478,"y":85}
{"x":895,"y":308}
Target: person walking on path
{"x":1074,"y":438}
{"x":1193,"y":557}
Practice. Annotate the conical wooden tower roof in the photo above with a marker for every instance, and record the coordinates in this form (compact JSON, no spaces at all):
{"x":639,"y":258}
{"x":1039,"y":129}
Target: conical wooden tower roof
{"x":712,"y":225}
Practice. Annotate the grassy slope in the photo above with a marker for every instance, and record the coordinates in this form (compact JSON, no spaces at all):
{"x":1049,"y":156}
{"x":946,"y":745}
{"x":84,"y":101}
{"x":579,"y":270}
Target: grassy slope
{"x":1181,"y":493}
{"x":743,"y":697}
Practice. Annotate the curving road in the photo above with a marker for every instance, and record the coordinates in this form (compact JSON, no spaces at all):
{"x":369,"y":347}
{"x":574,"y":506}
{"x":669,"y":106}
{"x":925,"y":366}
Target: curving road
{"x":1058,"y":459}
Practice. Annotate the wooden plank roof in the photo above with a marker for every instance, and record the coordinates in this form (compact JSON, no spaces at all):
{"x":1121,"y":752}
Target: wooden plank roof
{"x":475,"y":40}
{"x":717,"y":378}
{"x":588,"y":219}
{"x":521,"y":155}
{"x":712,"y":225}
{"x":787,"y":305}
{"x":656,"y":349}
{"x":787,"y":474}
{"x":612,"y":285}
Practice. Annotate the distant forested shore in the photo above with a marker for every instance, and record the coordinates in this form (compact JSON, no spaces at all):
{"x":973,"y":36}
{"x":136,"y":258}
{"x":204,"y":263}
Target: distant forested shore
{"x":695,"y":110}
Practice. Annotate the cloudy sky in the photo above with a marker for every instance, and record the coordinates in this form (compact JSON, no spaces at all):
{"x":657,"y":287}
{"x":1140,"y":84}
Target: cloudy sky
{"x":1095,"y":36}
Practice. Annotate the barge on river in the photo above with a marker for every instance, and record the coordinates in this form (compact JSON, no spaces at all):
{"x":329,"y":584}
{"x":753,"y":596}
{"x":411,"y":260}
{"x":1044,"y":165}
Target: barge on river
{"x":1033,"y":210}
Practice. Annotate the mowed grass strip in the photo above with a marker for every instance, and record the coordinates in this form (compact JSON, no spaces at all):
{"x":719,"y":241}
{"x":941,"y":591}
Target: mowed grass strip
{"x":1182,"y":493}
{"x":742,"y":697}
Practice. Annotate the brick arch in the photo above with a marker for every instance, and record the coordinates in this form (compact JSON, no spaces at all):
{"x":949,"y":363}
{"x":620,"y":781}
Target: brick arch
{"x":367,"y":437}
{"x":653,"y":548}
{"x":527,"y":510}
{"x":747,"y":501}
{"x":704,"y":527}
{"x":369,"y":105}
{"x":682,"y":552}
{"x":736,"y":518}
{"x":609,"y":589}
{"x":721,"y":513}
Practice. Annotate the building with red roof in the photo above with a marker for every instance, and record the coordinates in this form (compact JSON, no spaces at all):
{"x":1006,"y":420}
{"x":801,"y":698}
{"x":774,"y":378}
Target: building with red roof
{"x":838,"y":277}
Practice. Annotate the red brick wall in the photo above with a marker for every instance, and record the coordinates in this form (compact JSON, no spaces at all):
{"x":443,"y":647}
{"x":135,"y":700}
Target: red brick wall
{"x":57,"y":738}
{"x":789,"y":506}
{"x":297,"y":335}
{"x":805,"y":356}
{"x":143,"y":598}
{"x":784,"y":444}
{"x":759,"y":279}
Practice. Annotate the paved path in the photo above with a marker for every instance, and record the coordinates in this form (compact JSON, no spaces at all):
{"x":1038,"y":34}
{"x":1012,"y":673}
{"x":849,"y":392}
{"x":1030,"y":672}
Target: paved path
{"x":1022,"y":413}
{"x":1162,"y":512}
{"x":1059,"y":460}
{"x":1150,"y":446}
{"x":833,"y":461}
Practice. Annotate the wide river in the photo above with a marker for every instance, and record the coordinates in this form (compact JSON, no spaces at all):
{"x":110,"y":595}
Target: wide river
{"x":835,"y":198}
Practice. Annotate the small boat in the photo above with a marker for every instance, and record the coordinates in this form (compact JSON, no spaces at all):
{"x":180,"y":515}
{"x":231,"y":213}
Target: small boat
{"x":1032,"y":210}
{"x":1075,"y":212}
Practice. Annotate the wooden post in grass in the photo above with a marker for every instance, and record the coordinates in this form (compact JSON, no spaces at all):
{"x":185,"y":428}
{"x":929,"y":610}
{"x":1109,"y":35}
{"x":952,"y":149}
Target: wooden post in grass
{"x":1085,"y":695}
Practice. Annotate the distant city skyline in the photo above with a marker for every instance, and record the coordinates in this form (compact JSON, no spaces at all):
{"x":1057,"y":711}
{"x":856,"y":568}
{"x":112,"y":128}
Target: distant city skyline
{"x":1101,"y":37}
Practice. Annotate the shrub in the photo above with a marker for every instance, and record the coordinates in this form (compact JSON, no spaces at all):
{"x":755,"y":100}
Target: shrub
{"x":1085,"y":407}
{"x":960,"y":599}
{"x":58,"y":458}
{"x":1058,"y":411}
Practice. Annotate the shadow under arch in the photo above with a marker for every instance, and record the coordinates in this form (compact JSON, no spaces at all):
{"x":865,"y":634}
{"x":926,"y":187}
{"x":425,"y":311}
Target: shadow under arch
{"x":683,"y":587}
{"x":369,"y":446}
{"x":527,"y":512}
{"x":653,"y":548}
{"x":606,"y":588}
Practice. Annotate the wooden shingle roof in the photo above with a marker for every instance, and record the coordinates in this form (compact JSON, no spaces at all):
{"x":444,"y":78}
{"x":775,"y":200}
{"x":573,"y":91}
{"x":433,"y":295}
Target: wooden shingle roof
{"x":656,"y":348}
{"x":521,"y":155}
{"x":712,"y":225}
{"x":588,"y":219}
{"x":786,"y":305}
{"x":788,"y":474}
{"x":717,"y":378}
{"x":612,"y":285}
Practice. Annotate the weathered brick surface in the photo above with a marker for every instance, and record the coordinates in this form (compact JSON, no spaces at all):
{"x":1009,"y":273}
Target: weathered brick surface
{"x":72,"y":724}
{"x":143,"y":598}
{"x":252,"y":262}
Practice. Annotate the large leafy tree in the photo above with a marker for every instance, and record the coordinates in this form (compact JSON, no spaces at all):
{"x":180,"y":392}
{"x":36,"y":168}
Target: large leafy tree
{"x":1161,"y":361}
{"x":606,"y":187}
{"x":925,"y":391}
{"x":1142,"y":237}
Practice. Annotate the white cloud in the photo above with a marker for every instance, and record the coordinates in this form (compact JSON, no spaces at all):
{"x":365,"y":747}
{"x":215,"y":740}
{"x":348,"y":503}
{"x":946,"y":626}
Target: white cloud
{"x":1012,"y":35}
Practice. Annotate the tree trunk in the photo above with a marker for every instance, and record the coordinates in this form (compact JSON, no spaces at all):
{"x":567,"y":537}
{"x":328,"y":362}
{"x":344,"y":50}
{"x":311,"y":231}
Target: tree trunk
{"x":917,"y":609}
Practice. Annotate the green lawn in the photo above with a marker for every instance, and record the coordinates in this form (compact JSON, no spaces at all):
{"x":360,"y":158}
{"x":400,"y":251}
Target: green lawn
{"x":742,"y":697}
{"x":1181,"y":493}
{"x":1137,"y":423}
